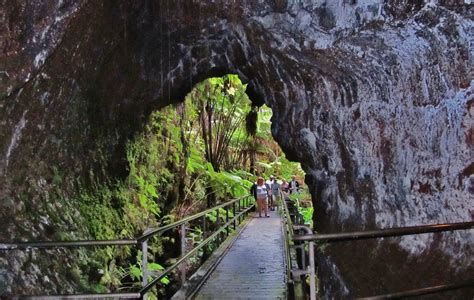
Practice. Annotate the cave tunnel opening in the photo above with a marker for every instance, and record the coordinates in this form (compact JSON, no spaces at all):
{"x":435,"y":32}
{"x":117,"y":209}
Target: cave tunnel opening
{"x":228,"y":122}
{"x":198,"y":152}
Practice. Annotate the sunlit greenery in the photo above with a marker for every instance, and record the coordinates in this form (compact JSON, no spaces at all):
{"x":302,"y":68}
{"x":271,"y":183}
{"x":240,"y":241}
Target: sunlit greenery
{"x":302,"y":201}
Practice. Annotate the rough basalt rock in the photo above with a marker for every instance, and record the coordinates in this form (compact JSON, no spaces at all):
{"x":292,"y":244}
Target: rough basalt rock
{"x":374,"y":98}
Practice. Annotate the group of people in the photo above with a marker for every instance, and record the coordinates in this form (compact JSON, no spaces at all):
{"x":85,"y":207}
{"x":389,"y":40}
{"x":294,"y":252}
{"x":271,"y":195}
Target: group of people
{"x":267,"y":193}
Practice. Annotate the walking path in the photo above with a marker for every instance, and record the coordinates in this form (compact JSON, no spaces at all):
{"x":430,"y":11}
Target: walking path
{"x":254,"y":267}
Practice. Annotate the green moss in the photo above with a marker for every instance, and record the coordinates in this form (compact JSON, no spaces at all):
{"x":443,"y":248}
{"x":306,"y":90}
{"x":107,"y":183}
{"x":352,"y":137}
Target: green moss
{"x":74,"y":274}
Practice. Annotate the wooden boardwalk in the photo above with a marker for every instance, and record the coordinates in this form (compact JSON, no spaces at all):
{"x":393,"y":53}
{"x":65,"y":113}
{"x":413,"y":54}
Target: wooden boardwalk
{"x":254,"y":267}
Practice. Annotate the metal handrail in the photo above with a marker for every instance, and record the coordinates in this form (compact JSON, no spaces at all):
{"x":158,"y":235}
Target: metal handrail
{"x":287,"y":217}
{"x":287,"y":235}
{"x":86,"y":296}
{"x":392,"y":232}
{"x":105,"y":243}
{"x":296,"y":272}
{"x":146,"y":288}
{"x":311,"y":271}
{"x":389,"y":232}
{"x":424,"y":291}
{"x":371,"y":234}
{"x":155,"y":231}
{"x":140,"y":241}
{"x":65,"y":244}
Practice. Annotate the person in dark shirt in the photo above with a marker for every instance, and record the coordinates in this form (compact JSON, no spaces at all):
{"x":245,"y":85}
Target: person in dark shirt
{"x":274,"y":192}
{"x":293,"y":185}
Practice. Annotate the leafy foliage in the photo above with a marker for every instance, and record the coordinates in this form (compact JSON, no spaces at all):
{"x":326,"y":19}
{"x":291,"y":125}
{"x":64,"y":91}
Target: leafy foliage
{"x":222,"y":108}
{"x":302,"y":201}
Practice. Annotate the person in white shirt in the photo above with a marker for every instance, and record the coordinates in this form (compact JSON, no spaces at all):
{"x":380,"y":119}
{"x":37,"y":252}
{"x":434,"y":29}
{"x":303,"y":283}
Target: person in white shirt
{"x":261,"y":191}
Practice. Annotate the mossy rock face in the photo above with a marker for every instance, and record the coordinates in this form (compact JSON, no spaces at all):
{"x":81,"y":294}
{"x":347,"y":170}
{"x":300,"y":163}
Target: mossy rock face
{"x":375,"y":104}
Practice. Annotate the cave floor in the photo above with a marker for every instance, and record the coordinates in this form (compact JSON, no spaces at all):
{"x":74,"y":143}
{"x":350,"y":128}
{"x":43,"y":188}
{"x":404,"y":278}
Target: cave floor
{"x":254,"y":267}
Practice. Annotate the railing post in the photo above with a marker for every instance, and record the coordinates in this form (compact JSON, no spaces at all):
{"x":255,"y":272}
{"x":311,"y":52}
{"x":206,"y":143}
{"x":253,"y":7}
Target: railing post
{"x":183,"y":251}
{"x":218,"y":226}
{"x":204,"y":225}
{"x":227,"y":219}
{"x":312,"y":272}
{"x":233,"y":206}
{"x":303,"y":256}
{"x":144,"y":245}
{"x":310,"y":269}
{"x":240,"y":216}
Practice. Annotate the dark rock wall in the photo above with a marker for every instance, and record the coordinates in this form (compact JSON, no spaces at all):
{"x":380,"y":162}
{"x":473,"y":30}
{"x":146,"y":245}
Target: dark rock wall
{"x":375,"y":98}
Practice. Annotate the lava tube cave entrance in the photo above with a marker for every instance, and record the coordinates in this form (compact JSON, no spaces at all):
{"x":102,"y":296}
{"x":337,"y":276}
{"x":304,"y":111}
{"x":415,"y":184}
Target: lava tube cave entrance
{"x":191,"y":156}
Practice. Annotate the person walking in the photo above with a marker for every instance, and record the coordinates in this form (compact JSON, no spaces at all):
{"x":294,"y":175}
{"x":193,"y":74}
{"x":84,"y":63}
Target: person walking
{"x":261,"y":191}
{"x":270,"y":182}
{"x":275,"y":194}
{"x":293,"y":185}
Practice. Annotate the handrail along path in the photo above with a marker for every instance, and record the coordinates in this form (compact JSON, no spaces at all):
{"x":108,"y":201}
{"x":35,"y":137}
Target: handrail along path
{"x":239,"y":207}
{"x":387,"y":233}
{"x":301,"y":268}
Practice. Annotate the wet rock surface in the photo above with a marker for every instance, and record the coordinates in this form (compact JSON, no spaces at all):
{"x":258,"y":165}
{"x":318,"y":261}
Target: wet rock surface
{"x":375,"y":98}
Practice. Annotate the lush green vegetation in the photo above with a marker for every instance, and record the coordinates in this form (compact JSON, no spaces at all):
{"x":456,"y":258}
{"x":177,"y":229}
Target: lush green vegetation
{"x":190,"y":156}
{"x":302,"y":201}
